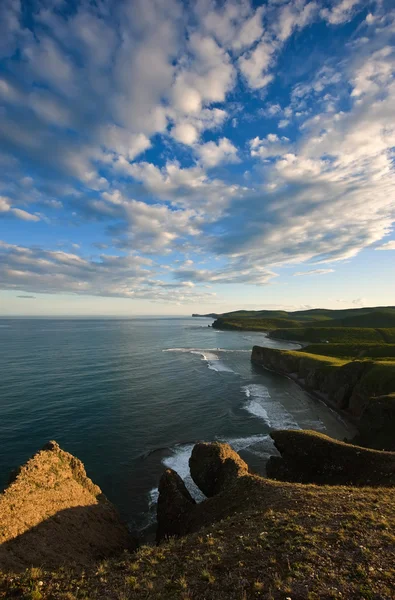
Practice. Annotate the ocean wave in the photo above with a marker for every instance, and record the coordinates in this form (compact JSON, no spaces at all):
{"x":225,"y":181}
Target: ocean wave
{"x":260,"y":404}
{"x":210,"y":356}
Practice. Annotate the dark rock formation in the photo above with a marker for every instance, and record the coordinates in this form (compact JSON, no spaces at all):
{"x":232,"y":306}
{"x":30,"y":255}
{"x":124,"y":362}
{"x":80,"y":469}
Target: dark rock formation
{"x":174,"y":505}
{"x":377,"y":424}
{"x":215,"y":467}
{"x":310,"y":457}
{"x":52,"y":514}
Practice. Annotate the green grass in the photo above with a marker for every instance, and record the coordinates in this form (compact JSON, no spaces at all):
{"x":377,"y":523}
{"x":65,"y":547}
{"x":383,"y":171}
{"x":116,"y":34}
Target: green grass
{"x":359,"y":350}
{"x":380,"y":379}
{"x":315,"y":359}
{"x":253,"y":324}
{"x":342,"y":335}
{"x":378,"y":318}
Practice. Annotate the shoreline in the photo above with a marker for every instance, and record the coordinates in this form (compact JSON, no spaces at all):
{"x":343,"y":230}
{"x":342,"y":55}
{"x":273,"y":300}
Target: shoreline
{"x":347,"y":419}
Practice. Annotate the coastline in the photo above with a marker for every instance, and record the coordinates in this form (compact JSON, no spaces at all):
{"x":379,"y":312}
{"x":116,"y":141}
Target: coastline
{"x":348,"y":420}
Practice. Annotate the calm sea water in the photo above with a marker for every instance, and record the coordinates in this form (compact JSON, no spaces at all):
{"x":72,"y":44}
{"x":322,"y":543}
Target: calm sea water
{"x":131,"y":396}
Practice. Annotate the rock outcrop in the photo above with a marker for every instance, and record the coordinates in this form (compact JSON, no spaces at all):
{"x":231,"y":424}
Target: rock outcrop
{"x":214,"y":467}
{"x":174,"y":505}
{"x":52,"y":514}
{"x":354,"y":388}
{"x":311,"y":457}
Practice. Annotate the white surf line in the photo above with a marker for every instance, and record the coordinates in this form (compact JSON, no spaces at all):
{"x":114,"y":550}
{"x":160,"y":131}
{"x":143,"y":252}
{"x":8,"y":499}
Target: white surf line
{"x":260,"y":404}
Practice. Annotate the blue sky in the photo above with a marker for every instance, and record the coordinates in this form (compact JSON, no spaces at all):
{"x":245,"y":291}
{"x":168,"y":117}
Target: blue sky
{"x":168,"y":157}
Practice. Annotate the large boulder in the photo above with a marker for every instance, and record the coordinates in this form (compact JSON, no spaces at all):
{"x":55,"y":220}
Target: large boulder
{"x":311,"y":457}
{"x":215,"y":467}
{"x":52,"y":514}
{"x":174,"y":505}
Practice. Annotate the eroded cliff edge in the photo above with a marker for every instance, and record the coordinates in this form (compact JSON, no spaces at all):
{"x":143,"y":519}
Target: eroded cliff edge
{"x":52,"y":514}
{"x":360,"y":389}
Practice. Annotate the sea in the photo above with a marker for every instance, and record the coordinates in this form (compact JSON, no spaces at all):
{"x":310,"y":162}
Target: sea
{"x":130,"y":397}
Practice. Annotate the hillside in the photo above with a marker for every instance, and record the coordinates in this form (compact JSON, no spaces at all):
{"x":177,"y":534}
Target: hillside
{"x":374,"y":321}
{"x":252,"y":538}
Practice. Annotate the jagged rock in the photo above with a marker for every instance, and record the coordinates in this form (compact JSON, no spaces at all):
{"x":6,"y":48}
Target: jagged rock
{"x":174,"y":505}
{"x":311,"y":457}
{"x":215,"y":467}
{"x":52,"y":514}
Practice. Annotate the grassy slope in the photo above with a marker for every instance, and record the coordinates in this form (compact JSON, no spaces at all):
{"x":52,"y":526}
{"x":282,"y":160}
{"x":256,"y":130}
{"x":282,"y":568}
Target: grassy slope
{"x":373,"y":325}
{"x":253,"y":324}
{"x":342,"y":335}
{"x":285,"y":540}
{"x":356,"y":350}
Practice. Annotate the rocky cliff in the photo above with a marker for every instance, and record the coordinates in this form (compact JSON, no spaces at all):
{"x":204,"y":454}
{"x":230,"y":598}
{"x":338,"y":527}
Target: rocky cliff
{"x":311,"y":457}
{"x":52,"y":514}
{"x":362,"y":389}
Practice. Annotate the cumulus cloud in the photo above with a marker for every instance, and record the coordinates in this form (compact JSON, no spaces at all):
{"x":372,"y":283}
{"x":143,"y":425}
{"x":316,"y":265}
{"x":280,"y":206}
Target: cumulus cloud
{"x":212,"y":154}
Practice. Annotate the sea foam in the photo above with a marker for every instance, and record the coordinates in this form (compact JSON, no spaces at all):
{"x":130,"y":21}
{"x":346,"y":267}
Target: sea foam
{"x":260,"y":404}
{"x":210,"y":356}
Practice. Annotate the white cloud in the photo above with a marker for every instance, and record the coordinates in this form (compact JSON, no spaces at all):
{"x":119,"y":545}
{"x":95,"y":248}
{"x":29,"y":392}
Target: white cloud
{"x":122,"y":142}
{"x":341,"y":12}
{"x":212,"y":154}
{"x":313,"y":272}
{"x":294,"y":15}
{"x":234,"y":24}
{"x":237,"y":272}
{"x":254,"y":65}
{"x":375,"y":73}
{"x":185,"y":133}
{"x":188,"y":187}
{"x":270,"y":146}
{"x":387,"y":246}
{"x":6,"y":209}
{"x":45,"y":271}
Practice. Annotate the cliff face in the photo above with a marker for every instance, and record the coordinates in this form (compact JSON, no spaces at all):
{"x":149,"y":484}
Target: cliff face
{"x":311,"y":457}
{"x":53,"y":514}
{"x":354,"y":387}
